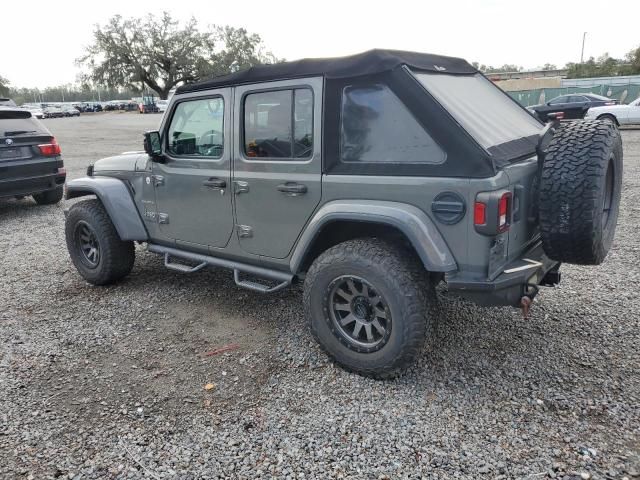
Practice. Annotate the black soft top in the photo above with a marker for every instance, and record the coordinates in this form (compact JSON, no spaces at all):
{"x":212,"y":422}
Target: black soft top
{"x":362,"y":64}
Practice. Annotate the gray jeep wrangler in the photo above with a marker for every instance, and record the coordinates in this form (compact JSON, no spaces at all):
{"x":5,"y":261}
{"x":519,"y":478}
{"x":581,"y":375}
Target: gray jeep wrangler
{"x":370,"y":178}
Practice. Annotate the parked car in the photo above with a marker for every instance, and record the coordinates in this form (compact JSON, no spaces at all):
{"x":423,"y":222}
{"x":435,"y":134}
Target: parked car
{"x":30,"y":159}
{"x":36,"y":112}
{"x":570,"y":107}
{"x":369,"y":179}
{"x":53,"y":112}
{"x":162,"y":105}
{"x":7,"y":102}
{"x":70,"y":111}
{"x":618,"y":114}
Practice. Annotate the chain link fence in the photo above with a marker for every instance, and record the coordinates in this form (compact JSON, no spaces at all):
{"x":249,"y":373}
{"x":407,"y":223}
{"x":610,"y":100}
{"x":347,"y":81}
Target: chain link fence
{"x":623,"y":93}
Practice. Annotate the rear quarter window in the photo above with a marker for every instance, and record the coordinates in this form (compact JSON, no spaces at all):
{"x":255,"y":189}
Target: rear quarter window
{"x":489,"y":115}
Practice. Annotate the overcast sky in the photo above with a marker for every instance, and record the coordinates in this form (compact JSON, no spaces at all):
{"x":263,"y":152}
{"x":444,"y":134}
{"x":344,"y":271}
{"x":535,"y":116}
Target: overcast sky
{"x":39,"y":40}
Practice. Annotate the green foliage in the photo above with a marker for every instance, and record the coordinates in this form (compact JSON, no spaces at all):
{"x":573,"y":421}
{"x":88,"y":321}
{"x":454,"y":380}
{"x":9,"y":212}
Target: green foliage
{"x":606,"y":66}
{"x":159,"y":53}
{"x":506,"y":68}
{"x":4,"y":86}
{"x":69,"y":93}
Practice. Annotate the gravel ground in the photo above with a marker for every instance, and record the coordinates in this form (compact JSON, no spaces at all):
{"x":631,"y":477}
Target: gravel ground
{"x":110,"y":382}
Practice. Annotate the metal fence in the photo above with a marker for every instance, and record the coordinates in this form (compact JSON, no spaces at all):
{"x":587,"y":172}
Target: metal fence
{"x":623,"y":93}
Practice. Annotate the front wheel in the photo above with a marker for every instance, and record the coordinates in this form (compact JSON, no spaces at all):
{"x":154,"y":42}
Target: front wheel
{"x":94,"y":245}
{"x":368,"y":303}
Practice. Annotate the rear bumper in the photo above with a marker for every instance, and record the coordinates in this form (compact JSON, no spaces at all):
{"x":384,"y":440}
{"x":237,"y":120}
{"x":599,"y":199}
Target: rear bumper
{"x":29,"y":185}
{"x":511,"y":285}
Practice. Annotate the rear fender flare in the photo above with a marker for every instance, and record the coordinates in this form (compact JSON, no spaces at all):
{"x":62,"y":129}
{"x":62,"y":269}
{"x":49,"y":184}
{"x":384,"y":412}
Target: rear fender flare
{"x":117,"y":200}
{"x":411,"y":221}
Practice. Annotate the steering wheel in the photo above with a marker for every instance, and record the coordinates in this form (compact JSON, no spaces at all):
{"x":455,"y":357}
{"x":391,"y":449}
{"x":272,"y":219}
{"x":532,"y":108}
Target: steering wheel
{"x":209,"y":141}
{"x":306,"y":150}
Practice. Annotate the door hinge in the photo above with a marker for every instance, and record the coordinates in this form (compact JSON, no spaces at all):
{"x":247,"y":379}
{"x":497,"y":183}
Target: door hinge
{"x":163,"y":218}
{"x":244,"y":231}
{"x":157,"y":180}
{"x":240,"y":186}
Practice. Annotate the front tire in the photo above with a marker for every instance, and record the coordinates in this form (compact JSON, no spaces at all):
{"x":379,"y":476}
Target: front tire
{"x":50,"y":197}
{"x":368,"y":303}
{"x":609,"y":118}
{"x":94,"y":245}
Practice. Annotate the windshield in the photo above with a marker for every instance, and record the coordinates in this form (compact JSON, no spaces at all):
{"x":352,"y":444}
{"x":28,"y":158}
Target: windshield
{"x":490,"y":116}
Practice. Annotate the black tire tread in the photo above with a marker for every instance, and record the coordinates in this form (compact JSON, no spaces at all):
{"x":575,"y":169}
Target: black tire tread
{"x":405,"y":271}
{"x":49,"y":197}
{"x":118,"y":256}
{"x":570,"y":190}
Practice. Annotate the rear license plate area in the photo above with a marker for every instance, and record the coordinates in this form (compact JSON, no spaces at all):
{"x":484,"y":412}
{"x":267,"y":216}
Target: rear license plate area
{"x":9,"y":153}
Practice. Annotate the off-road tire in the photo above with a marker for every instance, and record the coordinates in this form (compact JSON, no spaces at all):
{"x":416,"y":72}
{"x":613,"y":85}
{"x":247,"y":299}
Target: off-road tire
{"x":49,"y":197}
{"x":575,"y":223}
{"x":116,"y":257}
{"x":398,"y":274}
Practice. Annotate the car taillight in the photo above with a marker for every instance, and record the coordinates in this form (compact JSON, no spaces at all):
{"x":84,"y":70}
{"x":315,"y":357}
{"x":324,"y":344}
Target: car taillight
{"x":50,"y":149}
{"x":504,"y":207}
{"x":610,"y":103}
{"x":479,"y":213}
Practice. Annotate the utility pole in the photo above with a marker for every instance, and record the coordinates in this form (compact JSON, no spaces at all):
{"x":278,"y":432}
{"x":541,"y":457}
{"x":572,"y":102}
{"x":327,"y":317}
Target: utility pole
{"x":582,"y":53}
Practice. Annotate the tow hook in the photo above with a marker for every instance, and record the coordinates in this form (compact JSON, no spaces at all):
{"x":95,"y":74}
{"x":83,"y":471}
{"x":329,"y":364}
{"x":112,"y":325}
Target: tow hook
{"x":525,"y":304}
{"x":530,"y":292}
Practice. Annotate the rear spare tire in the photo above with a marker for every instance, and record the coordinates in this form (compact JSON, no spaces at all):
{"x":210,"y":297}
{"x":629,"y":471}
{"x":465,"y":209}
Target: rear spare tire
{"x":580,"y":184}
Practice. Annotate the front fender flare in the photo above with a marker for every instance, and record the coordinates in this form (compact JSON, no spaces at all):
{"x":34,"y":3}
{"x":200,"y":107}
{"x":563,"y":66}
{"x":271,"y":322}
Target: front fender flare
{"x":411,"y":221}
{"x":117,"y":200}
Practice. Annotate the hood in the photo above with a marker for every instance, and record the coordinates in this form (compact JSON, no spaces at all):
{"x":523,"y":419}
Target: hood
{"x":125,"y":162}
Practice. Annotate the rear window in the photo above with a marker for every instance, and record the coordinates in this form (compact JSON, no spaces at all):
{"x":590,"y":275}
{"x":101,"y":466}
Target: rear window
{"x":11,"y":125}
{"x":490,"y":116}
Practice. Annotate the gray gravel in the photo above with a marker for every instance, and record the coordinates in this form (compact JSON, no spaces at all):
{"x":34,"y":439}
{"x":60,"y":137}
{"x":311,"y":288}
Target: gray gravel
{"x":109,"y":382}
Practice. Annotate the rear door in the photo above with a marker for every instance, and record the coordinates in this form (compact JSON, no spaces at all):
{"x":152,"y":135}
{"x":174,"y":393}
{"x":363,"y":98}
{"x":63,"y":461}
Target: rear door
{"x":192,"y":184}
{"x":577,"y":107}
{"x":277,"y":163}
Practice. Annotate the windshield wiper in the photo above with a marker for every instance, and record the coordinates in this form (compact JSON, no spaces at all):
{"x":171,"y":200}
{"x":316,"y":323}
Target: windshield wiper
{"x":18,"y":132}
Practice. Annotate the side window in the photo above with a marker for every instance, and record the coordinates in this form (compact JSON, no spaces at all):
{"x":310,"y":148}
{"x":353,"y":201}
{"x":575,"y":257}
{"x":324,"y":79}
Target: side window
{"x":376,"y":127}
{"x":196,"y":128}
{"x":279,"y":124}
{"x":577,"y":99}
{"x":559,"y":100}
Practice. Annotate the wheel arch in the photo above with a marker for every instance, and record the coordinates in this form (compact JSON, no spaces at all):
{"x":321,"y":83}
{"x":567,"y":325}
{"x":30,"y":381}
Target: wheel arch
{"x":117,"y":200}
{"x":610,"y":115}
{"x":338,"y":221}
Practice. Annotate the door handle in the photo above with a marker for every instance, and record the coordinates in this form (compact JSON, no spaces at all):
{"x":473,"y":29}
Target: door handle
{"x":292,"y":189}
{"x":215,"y":182}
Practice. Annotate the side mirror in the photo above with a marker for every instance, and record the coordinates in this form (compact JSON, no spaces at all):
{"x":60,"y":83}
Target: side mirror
{"x":152,"y":144}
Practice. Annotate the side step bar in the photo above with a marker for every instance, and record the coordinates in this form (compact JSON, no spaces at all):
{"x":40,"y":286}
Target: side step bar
{"x":284,"y":279}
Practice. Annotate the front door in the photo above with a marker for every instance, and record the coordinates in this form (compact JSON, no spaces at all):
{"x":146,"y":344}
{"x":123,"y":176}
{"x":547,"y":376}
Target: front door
{"x":193,"y":181}
{"x":277,"y":163}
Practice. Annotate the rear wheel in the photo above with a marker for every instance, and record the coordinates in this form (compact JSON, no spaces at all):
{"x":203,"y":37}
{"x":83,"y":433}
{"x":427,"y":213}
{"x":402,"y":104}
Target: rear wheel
{"x":94,"y":245}
{"x":368,"y":305}
{"x":580,"y":186}
{"x":49,"y":197}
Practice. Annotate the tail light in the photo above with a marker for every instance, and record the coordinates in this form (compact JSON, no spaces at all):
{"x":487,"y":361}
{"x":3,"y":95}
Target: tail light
{"x":610,"y":103}
{"x":479,"y":213}
{"x":50,"y":149}
{"x":504,"y":210}
{"x":492,"y":212}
